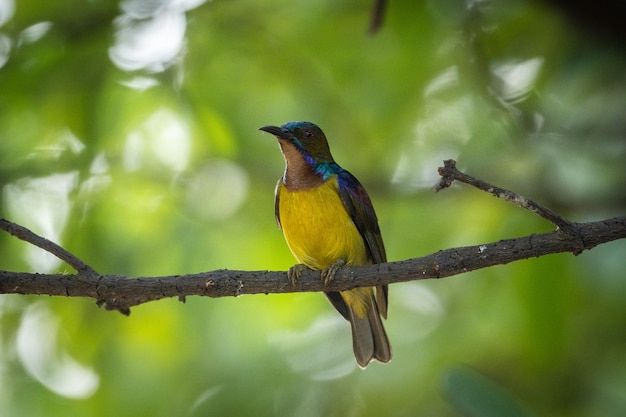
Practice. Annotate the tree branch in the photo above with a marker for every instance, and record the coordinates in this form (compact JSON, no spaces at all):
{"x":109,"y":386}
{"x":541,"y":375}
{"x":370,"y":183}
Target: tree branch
{"x":22,"y":233}
{"x":449,"y":173}
{"x":120,"y":293}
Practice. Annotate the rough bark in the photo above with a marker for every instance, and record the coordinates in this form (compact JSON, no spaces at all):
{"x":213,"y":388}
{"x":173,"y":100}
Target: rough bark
{"x":120,"y":293}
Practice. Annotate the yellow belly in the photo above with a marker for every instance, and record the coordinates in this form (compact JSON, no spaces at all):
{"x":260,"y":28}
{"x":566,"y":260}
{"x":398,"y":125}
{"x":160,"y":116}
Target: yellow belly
{"x":317,"y":227}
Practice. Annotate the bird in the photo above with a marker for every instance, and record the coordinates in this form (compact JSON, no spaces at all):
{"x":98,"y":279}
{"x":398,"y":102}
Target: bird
{"x":328,"y":221}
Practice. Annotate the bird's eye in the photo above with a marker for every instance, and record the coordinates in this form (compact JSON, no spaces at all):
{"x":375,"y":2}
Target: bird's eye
{"x":308,"y":133}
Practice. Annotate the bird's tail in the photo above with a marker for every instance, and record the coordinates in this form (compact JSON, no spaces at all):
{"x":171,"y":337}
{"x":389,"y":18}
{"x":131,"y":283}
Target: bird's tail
{"x":369,"y":339}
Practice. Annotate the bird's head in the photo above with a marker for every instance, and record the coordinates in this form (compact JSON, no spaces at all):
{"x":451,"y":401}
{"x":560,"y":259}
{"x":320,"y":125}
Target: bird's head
{"x":305,"y":137}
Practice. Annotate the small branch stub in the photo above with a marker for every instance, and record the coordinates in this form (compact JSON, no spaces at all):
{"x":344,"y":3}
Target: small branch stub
{"x":449,"y":173}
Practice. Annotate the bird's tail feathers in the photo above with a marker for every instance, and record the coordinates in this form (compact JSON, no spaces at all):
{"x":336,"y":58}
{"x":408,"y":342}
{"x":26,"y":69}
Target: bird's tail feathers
{"x":369,"y":339}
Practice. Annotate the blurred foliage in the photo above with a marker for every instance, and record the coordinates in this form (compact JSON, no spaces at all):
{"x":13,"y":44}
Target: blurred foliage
{"x":128,"y":134}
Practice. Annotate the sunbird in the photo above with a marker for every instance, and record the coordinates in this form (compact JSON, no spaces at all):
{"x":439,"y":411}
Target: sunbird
{"x":328,"y":221}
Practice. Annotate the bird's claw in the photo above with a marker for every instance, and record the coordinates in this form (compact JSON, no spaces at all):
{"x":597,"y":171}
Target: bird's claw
{"x":329,"y":273}
{"x":294,"y":273}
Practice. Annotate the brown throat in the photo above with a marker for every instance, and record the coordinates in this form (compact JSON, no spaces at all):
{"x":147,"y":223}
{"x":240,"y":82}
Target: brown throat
{"x":299,"y":174}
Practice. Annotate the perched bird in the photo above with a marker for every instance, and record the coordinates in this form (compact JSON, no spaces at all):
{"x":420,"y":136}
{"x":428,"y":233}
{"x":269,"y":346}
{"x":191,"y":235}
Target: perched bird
{"x":328,"y":221}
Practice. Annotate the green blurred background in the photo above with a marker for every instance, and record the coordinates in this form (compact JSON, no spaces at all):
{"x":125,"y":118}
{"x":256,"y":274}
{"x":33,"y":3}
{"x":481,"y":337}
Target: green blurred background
{"x":128,"y":134}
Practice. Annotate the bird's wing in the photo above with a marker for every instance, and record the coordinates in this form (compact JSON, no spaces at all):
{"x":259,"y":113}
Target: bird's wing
{"x":277,"y":201}
{"x":359,"y":206}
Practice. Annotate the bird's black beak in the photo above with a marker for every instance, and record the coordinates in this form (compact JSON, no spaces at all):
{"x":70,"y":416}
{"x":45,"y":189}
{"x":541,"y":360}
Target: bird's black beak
{"x":276,"y":131}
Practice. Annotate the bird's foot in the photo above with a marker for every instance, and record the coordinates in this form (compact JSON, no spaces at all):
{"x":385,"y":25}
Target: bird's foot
{"x":329,"y":273}
{"x":294,"y":273}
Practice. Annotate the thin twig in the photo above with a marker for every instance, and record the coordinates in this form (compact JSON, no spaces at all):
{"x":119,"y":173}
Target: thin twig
{"x":378,"y":13}
{"x":449,"y":174}
{"x":27,"y":235}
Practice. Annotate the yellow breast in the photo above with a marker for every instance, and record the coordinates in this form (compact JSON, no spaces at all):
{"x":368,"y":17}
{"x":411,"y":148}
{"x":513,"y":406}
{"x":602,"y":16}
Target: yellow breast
{"x":317,"y":227}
